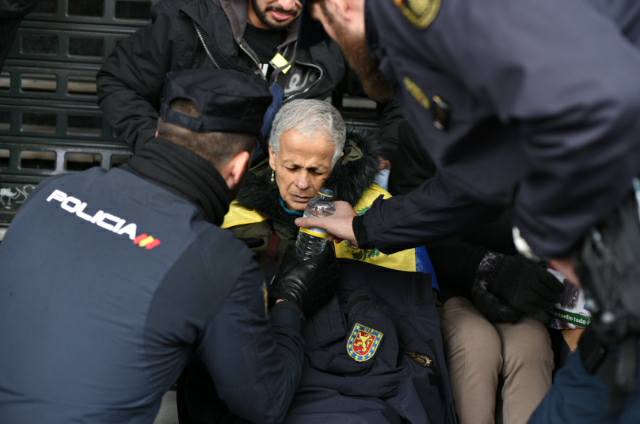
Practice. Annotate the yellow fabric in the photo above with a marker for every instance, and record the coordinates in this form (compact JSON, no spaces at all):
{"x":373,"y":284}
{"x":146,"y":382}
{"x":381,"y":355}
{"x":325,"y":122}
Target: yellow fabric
{"x":239,"y":215}
{"x":405,"y":260}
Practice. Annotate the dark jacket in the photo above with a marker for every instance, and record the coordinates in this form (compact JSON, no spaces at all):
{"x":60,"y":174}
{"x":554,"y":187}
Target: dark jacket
{"x":11,"y":14}
{"x":111,"y":283}
{"x":406,"y":379}
{"x":350,"y":178}
{"x":131,"y":80}
{"x":533,"y":104}
{"x":455,"y":258}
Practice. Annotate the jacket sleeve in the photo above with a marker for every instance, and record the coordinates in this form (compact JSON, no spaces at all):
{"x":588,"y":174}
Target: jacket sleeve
{"x":390,"y":121}
{"x":436,"y":209}
{"x":255,"y":361}
{"x":11,"y":14}
{"x":131,"y":80}
{"x":567,"y":75}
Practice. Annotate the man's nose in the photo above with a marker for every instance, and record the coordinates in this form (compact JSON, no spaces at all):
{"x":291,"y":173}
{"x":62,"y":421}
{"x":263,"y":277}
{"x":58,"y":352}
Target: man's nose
{"x":302,"y":181}
{"x":287,"y":4}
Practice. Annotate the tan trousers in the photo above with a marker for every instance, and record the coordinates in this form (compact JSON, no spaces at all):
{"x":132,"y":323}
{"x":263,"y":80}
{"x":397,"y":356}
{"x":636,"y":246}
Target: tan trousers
{"x":480,"y":353}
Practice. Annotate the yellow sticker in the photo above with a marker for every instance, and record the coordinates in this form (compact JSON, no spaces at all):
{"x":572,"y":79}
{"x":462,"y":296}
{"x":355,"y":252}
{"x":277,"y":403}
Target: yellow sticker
{"x":417,"y":92}
{"x":280,"y":62}
{"x":421,"y":13}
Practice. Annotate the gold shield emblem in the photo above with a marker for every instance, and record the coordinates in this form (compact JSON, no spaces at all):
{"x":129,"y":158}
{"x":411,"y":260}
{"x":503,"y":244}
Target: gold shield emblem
{"x":363,"y":342}
{"x":421,"y":13}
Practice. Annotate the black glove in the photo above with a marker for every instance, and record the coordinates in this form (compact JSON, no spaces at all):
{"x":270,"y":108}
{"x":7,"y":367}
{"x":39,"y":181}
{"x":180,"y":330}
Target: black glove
{"x":520,"y":283}
{"x":490,"y":306}
{"x":310,"y":283}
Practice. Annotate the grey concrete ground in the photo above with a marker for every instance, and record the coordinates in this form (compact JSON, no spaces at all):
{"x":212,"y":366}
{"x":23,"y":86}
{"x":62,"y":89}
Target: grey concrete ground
{"x":168,"y":413}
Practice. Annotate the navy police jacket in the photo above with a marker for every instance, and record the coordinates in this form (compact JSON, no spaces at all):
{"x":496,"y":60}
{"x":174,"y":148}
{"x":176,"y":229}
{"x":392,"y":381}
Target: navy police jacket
{"x":530,"y":103}
{"x":374,"y":353}
{"x":110,"y":284}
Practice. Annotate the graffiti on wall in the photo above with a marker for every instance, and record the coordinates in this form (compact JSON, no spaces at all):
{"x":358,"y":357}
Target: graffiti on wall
{"x":13,"y":197}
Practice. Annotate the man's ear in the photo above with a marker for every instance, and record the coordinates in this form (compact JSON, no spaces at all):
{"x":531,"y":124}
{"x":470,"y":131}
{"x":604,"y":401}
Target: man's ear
{"x":235,"y":169}
{"x":272,"y":158}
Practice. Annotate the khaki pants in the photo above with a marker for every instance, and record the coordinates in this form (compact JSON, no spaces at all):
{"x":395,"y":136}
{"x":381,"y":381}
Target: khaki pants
{"x":480,"y":353}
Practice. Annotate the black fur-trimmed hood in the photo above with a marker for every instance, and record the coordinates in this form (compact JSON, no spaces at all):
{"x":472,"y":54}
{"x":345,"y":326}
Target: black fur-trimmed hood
{"x":351,"y":176}
{"x":356,"y":170}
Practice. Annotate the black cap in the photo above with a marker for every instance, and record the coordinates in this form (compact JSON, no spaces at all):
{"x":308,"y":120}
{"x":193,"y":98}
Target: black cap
{"x":311,"y":31}
{"x":228,"y":100}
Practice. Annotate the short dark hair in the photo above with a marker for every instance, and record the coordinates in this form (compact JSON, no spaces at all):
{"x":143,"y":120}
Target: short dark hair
{"x":216,"y":147}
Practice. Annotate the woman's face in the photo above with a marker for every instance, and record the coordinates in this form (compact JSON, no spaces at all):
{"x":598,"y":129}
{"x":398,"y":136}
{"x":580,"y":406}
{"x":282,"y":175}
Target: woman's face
{"x":302,"y":166}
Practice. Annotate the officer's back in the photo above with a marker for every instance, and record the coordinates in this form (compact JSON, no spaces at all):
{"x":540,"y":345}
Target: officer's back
{"x":113,"y":280}
{"x":90,"y":318}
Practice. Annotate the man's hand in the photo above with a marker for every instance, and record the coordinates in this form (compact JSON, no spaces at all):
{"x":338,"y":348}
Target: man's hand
{"x":309,"y":283}
{"x":490,"y":305}
{"x":339,"y":225}
{"x":523,"y":284}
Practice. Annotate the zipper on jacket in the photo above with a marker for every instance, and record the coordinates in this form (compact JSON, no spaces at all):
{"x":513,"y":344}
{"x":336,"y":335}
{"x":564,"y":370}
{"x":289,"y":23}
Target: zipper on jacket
{"x":252,"y":57}
{"x":204,"y":45}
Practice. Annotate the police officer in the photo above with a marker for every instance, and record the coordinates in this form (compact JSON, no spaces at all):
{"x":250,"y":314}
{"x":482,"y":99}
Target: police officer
{"x":533,"y":104}
{"x":113,"y":280}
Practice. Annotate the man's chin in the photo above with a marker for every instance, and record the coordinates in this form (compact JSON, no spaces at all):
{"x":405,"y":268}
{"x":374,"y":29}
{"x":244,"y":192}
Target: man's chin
{"x":295,"y":205}
{"x":274,"y":23}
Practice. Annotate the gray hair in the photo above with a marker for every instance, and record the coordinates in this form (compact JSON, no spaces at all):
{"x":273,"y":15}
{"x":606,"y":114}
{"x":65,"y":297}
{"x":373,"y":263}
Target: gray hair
{"x":309,"y":116}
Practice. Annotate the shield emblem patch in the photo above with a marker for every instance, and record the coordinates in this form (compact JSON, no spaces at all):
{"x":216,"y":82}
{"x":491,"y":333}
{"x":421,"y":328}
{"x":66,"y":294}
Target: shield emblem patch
{"x":363,"y":342}
{"x":421,"y":13}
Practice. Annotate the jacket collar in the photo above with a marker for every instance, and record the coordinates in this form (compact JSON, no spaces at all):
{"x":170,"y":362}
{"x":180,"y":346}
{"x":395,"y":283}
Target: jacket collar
{"x":186,"y":174}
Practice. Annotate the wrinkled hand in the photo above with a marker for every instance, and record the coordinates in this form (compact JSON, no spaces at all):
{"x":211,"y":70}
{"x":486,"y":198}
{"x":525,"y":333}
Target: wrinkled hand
{"x":310,"y":283}
{"x":339,"y":225}
{"x":523,"y":284}
{"x":490,"y":306}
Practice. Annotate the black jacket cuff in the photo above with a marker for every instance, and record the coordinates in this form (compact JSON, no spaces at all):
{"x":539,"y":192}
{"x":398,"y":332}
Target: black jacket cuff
{"x":287,"y":314}
{"x":360,"y":232}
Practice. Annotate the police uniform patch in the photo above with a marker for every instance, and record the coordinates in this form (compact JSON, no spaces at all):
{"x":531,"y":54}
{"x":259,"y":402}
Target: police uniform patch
{"x":421,"y":13}
{"x":417,"y":92}
{"x":265,"y":295}
{"x":363,"y":342}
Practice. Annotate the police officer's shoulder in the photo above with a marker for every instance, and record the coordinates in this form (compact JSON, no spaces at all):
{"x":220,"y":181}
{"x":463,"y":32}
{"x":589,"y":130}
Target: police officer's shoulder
{"x":219,"y":247}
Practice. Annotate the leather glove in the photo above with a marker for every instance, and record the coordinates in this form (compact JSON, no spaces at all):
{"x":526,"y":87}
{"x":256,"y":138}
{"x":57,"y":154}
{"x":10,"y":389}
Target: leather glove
{"x":310,"y":283}
{"x":490,"y":306}
{"x":520,"y":283}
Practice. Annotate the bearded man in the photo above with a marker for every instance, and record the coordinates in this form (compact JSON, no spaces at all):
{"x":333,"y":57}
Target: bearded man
{"x":253,"y":36}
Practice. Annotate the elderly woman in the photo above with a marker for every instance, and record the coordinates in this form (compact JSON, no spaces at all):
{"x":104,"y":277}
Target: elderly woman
{"x":308,"y":150}
{"x":374,"y":353}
